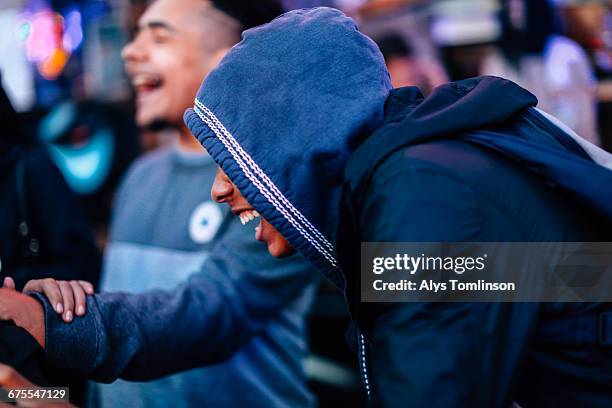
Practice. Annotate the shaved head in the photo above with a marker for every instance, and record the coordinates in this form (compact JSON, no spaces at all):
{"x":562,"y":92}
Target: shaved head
{"x":219,"y":29}
{"x":214,"y":28}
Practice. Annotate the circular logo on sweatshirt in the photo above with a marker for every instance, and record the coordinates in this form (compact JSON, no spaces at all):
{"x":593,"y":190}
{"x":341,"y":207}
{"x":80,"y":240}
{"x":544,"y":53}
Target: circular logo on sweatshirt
{"x":204,"y":222}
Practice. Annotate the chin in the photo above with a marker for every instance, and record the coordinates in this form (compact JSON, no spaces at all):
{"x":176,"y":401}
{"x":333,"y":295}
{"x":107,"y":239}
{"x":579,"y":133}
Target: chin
{"x":280,"y":250}
{"x":145,"y":120}
{"x":156,"y":124}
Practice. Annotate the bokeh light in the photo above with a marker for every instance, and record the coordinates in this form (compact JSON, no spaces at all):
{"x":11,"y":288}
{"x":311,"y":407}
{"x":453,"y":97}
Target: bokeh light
{"x":49,"y":39}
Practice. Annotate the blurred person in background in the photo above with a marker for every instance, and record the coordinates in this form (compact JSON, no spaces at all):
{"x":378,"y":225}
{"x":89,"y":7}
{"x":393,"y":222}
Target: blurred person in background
{"x":92,"y":144}
{"x":43,"y":233}
{"x":406,"y":69}
{"x":242,"y":306}
{"x":534,"y":54}
{"x":13,"y":145}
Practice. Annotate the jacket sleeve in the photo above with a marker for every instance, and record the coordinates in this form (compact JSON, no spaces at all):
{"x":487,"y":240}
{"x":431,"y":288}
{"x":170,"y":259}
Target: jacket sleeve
{"x":239,"y":288}
{"x":438,"y":354}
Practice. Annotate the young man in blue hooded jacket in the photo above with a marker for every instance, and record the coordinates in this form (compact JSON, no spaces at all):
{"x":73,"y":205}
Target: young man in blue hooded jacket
{"x":312,"y":136}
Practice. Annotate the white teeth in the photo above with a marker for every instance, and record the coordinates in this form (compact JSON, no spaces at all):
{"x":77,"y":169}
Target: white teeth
{"x":248,"y":215}
{"x":145,"y":80}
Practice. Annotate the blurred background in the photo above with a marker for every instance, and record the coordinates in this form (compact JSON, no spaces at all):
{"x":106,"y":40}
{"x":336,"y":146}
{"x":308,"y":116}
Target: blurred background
{"x":62,"y":70}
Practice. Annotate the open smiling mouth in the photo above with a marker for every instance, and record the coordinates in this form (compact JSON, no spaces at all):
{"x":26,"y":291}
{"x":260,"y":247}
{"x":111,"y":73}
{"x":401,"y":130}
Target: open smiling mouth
{"x":146,"y":83}
{"x":248,"y":216}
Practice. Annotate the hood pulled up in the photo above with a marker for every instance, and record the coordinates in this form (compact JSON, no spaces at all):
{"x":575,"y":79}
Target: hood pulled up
{"x":281,"y":115}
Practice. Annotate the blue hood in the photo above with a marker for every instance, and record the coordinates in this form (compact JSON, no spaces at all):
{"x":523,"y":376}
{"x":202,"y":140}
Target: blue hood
{"x":281,"y":115}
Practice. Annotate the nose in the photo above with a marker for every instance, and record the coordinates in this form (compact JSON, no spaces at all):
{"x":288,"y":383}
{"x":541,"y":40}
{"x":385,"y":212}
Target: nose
{"x":133,"y":51}
{"x":222,"y":189}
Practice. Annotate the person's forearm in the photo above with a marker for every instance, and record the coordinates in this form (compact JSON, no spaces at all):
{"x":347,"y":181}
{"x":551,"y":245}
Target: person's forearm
{"x":143,"y":337}
{"x":204,"y":321}
{"x":24,"y":312}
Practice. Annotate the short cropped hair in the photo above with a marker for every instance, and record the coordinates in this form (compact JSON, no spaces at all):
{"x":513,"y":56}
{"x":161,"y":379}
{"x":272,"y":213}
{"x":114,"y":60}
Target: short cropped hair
{"x":250,"y":13}
{"x":393,"y":45}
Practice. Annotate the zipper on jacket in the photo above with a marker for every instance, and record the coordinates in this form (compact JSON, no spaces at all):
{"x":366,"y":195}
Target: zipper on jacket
{"x":363,"y":367}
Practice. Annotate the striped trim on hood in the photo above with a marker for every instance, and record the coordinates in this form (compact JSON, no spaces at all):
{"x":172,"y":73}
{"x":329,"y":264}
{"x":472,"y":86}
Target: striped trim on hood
{"x":283,"y":112}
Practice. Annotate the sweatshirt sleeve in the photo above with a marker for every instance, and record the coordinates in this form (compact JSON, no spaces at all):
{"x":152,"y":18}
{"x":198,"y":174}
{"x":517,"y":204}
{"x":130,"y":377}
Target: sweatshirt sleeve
{"x":430,"y":353}
{"x":239,"y":288}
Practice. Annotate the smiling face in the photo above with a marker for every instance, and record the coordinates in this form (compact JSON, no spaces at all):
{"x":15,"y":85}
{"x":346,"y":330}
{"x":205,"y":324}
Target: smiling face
{"x":178,"y":43}
{"x":224,"y":191}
